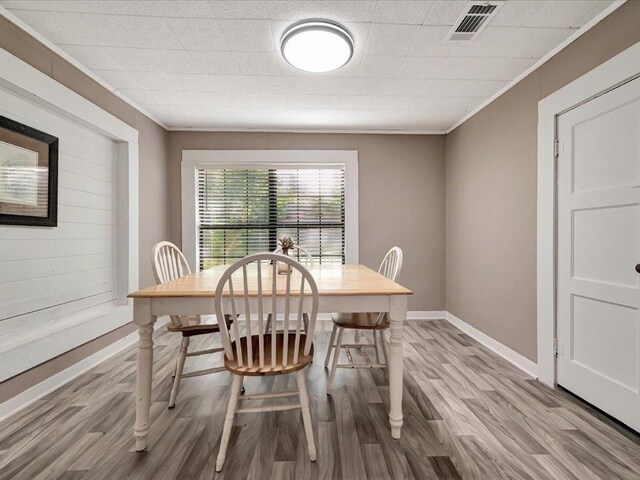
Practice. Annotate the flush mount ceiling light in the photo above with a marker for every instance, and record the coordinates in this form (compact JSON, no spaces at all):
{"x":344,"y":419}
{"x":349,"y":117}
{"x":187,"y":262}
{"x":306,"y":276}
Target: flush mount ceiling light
{"x":316,"y":46}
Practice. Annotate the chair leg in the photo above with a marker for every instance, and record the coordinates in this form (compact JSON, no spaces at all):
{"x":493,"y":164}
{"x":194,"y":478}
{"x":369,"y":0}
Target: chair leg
{"x":331,"y":340}
{"x":306,"y":415}
{"x":305,"y":320}
{"x":184,"y":347}
{"x":228,"y":421}
{"x":385,"y":348}
{"x":334,"y":365}
{"x":376,"y":345}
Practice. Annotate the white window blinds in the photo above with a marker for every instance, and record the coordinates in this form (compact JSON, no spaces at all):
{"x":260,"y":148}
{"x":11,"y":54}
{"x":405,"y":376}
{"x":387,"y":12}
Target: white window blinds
{"x":245,"y":211}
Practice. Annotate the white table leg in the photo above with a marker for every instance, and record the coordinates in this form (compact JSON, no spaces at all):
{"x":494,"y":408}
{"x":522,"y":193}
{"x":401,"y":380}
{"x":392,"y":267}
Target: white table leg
{"x":143,"y":318}
{"x":397,"y":315}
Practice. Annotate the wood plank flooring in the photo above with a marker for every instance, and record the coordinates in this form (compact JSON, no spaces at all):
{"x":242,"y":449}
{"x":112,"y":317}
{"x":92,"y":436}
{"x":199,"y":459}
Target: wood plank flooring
{"x":467,"y":414}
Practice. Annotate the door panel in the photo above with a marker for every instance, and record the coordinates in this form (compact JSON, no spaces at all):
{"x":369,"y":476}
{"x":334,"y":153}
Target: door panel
{"x":607,"y":163}
{"x":600,"y":253}
{"x":610,"y":352}
{"x":598,"y":248}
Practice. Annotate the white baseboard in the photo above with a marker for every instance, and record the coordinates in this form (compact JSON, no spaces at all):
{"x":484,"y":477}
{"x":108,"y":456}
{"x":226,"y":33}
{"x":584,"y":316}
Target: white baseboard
{"x":426,"y":315}
{"x":523,"y":363}
{"x":26,"y":398}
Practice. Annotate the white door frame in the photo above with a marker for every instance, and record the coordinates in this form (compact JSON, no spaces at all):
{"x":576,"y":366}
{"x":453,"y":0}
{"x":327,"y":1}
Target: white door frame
{"x":620,"y":69}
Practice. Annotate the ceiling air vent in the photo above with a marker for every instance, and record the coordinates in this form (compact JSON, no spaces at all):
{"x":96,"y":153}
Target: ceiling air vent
{"x":471,"y":23}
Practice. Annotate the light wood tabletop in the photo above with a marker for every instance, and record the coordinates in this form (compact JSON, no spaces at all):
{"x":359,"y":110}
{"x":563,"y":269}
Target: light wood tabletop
{"x":332,"y":280}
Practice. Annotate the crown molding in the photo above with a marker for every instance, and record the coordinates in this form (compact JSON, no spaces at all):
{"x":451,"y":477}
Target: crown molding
{"x":308,"y":130}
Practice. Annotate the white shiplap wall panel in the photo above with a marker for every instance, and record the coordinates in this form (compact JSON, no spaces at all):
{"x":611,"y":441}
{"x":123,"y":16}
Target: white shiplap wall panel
{"x":13,"y":250}
{"x":48,"y":275}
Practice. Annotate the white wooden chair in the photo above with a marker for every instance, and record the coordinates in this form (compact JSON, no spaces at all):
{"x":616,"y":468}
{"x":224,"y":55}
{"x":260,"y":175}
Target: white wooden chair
{"x":377,"y":323}
{"x":168,"y":264}
{"x":307,"y":260}
{"x":305,"y":257}
{"x":258,"y":353}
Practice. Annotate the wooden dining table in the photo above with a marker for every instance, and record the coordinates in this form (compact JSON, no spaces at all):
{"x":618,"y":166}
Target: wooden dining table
{"x":341,"y":288}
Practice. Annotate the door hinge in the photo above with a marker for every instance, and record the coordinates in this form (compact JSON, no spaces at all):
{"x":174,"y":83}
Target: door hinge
{"x":556,"y":148}
{"x":555,"y":347}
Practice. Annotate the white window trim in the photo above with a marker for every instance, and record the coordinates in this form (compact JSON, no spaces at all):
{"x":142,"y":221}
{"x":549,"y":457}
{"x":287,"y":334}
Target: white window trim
{"x":192,"y":160}
{"x":601,"y":79}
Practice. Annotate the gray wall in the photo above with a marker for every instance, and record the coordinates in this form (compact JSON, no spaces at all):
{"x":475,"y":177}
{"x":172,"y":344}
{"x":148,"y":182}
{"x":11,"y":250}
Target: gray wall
{"x":491,"y":162}
{"x":401,"y":196}
{"x":153,"y":198}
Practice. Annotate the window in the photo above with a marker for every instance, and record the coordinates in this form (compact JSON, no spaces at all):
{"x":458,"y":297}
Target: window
{"x":245,"y":211}
{"x":243,"y":205}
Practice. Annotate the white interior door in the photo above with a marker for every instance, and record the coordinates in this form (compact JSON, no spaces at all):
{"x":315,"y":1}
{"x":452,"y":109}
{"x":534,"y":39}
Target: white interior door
{"x":598,"y":250}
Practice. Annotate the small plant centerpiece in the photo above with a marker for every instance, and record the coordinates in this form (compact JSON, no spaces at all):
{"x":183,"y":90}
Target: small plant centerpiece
{"x":286,"y":244}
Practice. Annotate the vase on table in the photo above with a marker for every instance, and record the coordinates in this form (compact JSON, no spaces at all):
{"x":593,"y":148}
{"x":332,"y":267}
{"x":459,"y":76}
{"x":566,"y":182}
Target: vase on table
{"x":284,"y":268}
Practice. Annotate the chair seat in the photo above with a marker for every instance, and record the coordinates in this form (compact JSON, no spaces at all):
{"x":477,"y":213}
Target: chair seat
{"x":256,"y":371}
{"x":360,"y":321}
{"x":200,"y":325}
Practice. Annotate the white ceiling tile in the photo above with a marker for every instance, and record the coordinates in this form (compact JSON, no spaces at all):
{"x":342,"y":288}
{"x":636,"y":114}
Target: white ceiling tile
{"x":216,"y":62}
{"x":246,"y":9}
{"x":532,"y":42}
{"x":401,"y":103}
{"x":43,"y":5}
{"x":173,"y":61}
{"x":293,"y":84}
{"x":379,"y":66}
{"x":102,"y":30}
{"x":157,"y":8}
{"x":336,"y":85}
{"x":410,"y":13}
{"x":390,"y":39}
{"x":131,"y":59}
{"x":356,"y":11}
{"x":372,"y":86}
{"x":445,"y":12}
{"x":147,"y":60}
{"x":420,"y":67}
{"x":560,"y":14}
{"x":431,"y":42}
{"x":487,"y":43}
{"x":91,"y":57}
{"x":191,"y":82}
{"x":515,"y":13}
{"x":248,"y":35}
{"x":314,"y":101}
{"x":446,"y":88}
{"x":141,"y":96}
{"x":366,"y":102}
{"x":483,"y":68}
{"x":199,"y":33}
{"x":408,"y":87}
{"x":258,"y":63}
{"x":463,"y":88}
{"x":119,"y":79}
{"x":152,"y":80}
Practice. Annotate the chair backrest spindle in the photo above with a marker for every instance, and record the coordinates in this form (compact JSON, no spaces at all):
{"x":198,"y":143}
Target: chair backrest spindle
{"x":283,"y":288}
{"x":169,"y":264}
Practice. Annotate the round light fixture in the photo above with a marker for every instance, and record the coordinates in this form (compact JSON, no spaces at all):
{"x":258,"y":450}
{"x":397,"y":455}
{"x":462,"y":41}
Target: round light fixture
{"x":316,"y":46}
